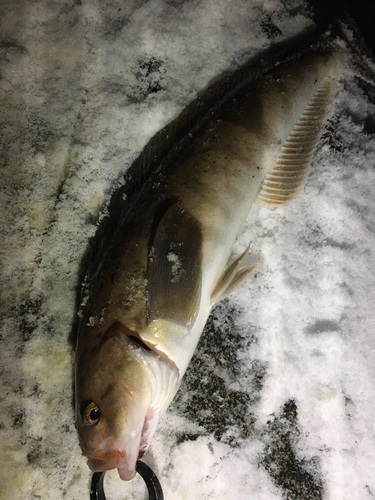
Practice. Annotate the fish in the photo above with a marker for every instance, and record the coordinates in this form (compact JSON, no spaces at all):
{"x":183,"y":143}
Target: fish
{"x":168,"y":257}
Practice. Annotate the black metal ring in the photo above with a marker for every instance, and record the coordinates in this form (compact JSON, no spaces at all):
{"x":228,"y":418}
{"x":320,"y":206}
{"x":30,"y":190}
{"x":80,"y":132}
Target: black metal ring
{"x":152,"y":482}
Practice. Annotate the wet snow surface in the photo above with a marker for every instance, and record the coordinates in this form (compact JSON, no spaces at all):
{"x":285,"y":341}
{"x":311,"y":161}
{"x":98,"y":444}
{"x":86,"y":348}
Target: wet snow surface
{"x":278,"y":402}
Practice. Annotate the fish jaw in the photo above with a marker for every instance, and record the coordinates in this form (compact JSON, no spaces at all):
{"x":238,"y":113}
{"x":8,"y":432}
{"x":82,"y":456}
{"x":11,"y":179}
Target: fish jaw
{"x":114,"y":458}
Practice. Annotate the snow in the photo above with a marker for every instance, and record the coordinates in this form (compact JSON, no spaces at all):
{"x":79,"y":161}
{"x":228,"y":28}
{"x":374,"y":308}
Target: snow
{"x":278,"y":402}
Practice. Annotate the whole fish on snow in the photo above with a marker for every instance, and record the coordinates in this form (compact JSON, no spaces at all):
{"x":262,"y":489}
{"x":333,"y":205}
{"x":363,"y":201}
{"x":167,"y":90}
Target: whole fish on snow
{"x":147,"y":302}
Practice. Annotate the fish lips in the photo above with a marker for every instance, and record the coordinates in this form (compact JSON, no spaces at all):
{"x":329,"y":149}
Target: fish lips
{"x":113,"y":459}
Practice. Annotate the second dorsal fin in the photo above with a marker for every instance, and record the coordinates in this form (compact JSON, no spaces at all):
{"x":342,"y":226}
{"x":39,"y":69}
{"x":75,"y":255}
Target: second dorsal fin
{"x":285,"y":179}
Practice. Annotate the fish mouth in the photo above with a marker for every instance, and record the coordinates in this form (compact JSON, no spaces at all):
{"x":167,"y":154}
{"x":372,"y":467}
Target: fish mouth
{"x":113,"y":457}
{"x":101,"y":461}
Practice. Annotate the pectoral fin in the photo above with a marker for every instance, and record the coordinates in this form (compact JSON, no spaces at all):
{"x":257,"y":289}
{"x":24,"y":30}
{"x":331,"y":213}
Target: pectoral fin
{"x":284,"y":181}
{"x":174,"y":268}
{"x":234,"y":275}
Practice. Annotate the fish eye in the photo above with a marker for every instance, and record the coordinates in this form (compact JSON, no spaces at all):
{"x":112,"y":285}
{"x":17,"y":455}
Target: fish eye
{"x":91,"y":414}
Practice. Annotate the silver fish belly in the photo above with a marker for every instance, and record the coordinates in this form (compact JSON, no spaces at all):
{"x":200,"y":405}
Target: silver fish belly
{"x":146,"y":304}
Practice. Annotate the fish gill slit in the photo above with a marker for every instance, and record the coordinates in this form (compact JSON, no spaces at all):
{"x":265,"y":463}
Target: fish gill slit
{"x":139,"y":342}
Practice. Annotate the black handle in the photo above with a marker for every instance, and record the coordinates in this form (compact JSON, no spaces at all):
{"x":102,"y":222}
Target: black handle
{"x":152,"y":482}
{"x":155,"y":491}
{"x":96,"y":489}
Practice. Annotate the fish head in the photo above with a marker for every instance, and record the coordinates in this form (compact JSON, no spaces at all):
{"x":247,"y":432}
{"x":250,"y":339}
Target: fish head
{"x":121,"y":390}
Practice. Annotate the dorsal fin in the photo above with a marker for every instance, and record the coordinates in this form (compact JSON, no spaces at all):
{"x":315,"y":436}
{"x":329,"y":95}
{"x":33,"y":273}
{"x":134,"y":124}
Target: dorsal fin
{"x":174,"y":268}
{"x":285,"y":179}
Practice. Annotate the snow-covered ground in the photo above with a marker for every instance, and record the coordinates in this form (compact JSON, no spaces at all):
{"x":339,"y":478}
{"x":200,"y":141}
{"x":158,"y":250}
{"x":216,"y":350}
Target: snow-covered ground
{"x":278,"y":402}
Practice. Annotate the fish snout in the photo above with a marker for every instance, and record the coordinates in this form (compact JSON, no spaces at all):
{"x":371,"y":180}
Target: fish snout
{"x":101,"y":461}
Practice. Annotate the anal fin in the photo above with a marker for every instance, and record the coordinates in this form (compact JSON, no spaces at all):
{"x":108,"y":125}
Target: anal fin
{"x":234,"y":275}
{"x":285,"y":179}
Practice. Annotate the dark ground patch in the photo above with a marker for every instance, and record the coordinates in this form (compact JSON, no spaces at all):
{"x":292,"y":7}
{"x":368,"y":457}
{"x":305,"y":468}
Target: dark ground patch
{"x":269,"y":28}
{"x":298,"y":478}
{"x":206,"y":396}
{"x":29,"y":314}
{"x":150,"y":79}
